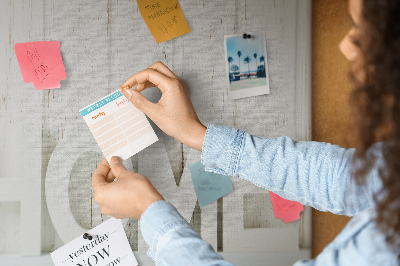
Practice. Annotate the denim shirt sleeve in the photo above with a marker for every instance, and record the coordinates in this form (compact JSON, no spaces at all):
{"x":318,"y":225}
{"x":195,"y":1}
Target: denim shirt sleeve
{"x":312,"y":173}
{"x":171,"y":239}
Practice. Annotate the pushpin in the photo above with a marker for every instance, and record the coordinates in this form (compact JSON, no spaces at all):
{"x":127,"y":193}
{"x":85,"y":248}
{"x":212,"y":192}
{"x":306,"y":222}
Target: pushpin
{"x":87,"y":236}
{"x":246,"y":36}
{"x":127,"y":87}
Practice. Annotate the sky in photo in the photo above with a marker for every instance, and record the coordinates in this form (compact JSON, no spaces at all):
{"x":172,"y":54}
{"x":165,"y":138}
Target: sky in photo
{"x":256,"y":44}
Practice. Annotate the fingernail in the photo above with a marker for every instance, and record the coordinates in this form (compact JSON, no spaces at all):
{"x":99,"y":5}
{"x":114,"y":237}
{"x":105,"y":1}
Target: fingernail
{"x":129,"y":92}
{"x":115,"y":160}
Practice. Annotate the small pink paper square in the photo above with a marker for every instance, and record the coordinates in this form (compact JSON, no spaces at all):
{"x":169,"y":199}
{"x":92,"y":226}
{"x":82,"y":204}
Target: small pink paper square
{"x":41,"y":63}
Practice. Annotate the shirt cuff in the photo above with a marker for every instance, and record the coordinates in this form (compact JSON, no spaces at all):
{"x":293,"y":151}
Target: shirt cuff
{"x":222,"y":148}
{"x":158,"y":219}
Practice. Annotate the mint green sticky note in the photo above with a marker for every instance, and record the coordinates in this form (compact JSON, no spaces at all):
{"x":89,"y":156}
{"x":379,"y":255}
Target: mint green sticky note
{"x":209,"y":186}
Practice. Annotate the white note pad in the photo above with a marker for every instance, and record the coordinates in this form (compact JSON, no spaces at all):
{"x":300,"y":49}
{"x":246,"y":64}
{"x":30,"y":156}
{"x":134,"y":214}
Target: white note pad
{"x":108,"y":246}
{"x":118,"y":126}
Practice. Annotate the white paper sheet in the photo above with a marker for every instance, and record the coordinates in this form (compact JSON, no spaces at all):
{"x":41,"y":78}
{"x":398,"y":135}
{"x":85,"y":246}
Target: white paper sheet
{"x":118,"y":126}
{"x":108,"y":246}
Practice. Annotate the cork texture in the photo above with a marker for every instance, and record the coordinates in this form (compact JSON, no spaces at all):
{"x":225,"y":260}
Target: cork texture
{"x":330,"y":99}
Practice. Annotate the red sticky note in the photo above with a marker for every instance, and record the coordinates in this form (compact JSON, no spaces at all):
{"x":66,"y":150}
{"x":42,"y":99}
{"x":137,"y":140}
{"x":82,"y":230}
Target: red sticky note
{"x":284,"y":209}
{"x":41,"y":63}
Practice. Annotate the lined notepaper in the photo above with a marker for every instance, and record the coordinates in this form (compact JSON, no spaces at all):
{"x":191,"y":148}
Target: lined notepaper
{"x":118,"y":126}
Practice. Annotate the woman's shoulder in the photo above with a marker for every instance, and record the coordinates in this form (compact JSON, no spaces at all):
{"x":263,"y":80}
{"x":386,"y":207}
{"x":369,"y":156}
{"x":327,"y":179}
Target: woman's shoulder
{"x":366,"y":242}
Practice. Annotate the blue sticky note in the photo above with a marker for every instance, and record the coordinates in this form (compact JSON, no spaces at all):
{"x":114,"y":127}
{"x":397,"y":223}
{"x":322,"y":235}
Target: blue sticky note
{"x":209,"y":186}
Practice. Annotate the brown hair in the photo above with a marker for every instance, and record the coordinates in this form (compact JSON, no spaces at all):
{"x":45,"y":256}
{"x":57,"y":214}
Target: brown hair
{"x":375,"y":103}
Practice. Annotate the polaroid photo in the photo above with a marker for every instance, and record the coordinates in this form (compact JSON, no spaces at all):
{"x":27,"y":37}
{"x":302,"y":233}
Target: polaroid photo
{"x":246,"y":64}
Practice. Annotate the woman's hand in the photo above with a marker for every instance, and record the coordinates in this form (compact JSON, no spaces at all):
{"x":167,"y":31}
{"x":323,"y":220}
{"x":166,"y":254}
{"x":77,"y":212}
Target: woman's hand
{"x":127,"y":197}
{"x":173,"y":113}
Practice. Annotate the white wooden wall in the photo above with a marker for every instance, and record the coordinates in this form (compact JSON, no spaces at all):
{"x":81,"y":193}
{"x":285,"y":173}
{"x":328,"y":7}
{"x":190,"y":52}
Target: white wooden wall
{"x":47,"y":154}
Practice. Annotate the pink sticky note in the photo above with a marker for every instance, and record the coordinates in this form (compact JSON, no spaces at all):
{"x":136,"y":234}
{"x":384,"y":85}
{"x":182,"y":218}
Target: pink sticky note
{"x":284,"y":209}
{"x":41,"y":63}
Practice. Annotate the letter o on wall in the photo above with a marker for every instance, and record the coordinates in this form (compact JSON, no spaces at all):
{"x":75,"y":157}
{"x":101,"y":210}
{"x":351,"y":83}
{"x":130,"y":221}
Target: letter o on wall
{"x":57,"y":180}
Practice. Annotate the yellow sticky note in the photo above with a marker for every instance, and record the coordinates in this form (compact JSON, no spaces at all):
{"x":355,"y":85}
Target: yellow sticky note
{"x":164,"y":18}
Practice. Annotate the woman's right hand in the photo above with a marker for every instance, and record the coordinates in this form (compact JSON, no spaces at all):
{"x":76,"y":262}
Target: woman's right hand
{"x":173,"y":113}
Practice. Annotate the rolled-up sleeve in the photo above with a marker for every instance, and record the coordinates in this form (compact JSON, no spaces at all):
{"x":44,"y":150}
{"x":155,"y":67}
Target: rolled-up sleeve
{"x":316,"y":174}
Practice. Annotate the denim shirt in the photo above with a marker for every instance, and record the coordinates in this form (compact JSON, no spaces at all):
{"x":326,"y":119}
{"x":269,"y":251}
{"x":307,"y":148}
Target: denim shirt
{"x":312,"y":173}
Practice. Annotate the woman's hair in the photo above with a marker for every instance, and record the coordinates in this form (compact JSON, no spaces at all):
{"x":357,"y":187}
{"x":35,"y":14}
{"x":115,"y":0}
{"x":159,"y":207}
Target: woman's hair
{"x":375,"y":103}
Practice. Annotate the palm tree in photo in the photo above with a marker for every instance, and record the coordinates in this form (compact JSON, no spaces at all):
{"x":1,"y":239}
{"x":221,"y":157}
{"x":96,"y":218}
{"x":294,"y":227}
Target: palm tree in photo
{"x":234,"y":68}
{"x":239,"y":54}
{"x":262,"y":59}
{"x":255,"y":58}
{"x":247,"y":60}
{"x":230,"y":60}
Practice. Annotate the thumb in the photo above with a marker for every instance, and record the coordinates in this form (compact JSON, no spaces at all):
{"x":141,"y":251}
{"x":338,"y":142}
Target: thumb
{"x":117,"y":167}
{"x":138,"y":100}
{"x":100,"y":174}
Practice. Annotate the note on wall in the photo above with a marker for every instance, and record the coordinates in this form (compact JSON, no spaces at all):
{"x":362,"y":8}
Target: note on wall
{"x":41,"y":63}
{"x":107,"y":245}
{"x":209,"y":186}
{"x":118,"y":126}
{"x":164,"y":18}
{"x":284,"y":209}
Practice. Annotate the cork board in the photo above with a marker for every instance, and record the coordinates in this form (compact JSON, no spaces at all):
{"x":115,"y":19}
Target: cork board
{"x":330,"y":97}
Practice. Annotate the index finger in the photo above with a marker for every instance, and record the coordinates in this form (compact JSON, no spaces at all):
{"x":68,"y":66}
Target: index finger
{"x":159,"y":80}
{"x":160,"y":67}
{"x":100,"y":174}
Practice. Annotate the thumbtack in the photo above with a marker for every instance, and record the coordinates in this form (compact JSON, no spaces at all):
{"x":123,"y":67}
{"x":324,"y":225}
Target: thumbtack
{"x":87,"y":236}
{"x":246,"y":36}
{"x":125,"y":88}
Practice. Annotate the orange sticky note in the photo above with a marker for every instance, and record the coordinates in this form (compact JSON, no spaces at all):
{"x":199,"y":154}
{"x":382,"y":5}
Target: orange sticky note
{"x":164,"y":18}
{"x":41,"y":63}
{"x":284,"y":209}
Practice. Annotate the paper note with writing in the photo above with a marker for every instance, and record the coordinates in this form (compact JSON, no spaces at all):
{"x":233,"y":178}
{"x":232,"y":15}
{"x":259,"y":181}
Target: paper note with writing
{"x":284,"y":209}
{"x":164,"y":18}
{"x":41,"y":63}
{"x":209,"y":186}
{"x":118,"y":126}
{"x":109,"y":246}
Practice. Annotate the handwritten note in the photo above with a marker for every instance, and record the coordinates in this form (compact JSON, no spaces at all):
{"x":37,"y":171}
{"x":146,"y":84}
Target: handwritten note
{"x":118,"y":126}
{"x":108,"y":246}
{"x":209,"y":186}
{"x":41,"y":63}
{"x":284,"y":209}
{"x":164,"y":18}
